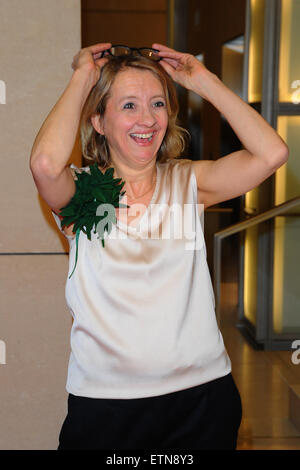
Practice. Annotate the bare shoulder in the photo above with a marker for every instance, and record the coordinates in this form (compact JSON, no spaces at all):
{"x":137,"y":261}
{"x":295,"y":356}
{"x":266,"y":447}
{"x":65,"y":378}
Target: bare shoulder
{"x":200,"y":167}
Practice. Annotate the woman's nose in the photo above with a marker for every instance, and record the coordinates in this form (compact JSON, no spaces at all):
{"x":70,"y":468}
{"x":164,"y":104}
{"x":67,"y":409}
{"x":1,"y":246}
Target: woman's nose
{"x":147,"y":117}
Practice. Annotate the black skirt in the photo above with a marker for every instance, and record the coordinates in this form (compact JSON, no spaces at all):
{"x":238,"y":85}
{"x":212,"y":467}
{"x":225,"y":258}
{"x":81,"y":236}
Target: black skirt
{"x":204,"y":417}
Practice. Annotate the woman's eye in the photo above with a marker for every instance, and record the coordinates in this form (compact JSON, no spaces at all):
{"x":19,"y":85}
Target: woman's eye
{"x":128,"y":106}
{"x":159,"y":104}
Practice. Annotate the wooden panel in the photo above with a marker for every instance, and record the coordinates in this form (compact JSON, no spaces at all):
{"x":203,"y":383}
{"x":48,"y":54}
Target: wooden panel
{"x":128,"y":5}
{"x":209,"y":25}
{"x":133,"y":29}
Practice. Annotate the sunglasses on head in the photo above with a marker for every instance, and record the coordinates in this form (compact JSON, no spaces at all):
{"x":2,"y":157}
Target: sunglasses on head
{"x":121,"y":51}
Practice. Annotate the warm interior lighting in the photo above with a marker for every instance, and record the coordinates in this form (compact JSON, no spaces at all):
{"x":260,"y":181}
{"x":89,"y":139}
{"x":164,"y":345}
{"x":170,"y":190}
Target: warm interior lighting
{"x":286,"y":234}
{"x":286,"y":255}
{"x":256,"y":47}
{"x":250,"y":274}
{"x":289,"y":53}
{"x":255,"y":70}
{"x":279,"y":232}
{"x":250,"y":259}
{"x":287,"y":178}
{"x":232,"y":64}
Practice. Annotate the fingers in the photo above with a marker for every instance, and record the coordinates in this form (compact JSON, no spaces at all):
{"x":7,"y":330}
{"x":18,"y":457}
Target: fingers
{"x":161,"y":47}
{"x":101,"y":62}
{"x":98,"y":48}
{"x":95,"y":50}
{"x":173,"y":63}
{"x":168,"y":68}
{"x":89,"y":53}
{"x":169,"y":55}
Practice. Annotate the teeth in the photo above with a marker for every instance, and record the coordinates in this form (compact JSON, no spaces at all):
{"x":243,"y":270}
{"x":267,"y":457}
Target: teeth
{"x":143,"y":136}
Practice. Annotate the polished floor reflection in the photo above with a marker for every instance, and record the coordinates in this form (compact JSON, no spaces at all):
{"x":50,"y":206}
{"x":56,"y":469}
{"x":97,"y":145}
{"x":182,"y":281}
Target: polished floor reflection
{"x":264,"y":379}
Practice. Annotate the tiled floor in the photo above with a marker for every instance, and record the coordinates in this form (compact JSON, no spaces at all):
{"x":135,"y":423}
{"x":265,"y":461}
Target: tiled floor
{"x":263,"y":379}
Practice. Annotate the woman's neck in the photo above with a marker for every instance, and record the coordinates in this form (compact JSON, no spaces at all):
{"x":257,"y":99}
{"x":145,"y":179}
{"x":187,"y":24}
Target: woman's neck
{"x":138,"y":183}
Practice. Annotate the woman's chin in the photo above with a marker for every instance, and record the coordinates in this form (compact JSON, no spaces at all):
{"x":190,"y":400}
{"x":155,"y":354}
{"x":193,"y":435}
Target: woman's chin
{"x":144,"y":157}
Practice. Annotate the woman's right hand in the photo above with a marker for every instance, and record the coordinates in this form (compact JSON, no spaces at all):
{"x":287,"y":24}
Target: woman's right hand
{"x":88,"y":59}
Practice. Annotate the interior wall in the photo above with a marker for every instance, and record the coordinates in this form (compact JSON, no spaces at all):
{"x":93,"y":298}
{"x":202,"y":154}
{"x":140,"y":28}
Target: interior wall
{"x":131,"y":22}
{"x":209,"y":26}
{"x":38,"y":41}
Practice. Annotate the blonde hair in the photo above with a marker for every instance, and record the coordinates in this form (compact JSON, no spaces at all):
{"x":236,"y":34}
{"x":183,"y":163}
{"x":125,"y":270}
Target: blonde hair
{"x":94,"y":145}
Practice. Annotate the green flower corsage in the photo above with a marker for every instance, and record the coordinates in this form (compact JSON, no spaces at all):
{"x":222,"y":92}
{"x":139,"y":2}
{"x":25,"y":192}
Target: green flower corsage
{"x":93,"y":204}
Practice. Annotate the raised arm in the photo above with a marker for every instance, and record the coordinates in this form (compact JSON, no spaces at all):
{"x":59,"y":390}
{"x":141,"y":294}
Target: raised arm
{"x":55,"y":141}
{"x":264,"y":150}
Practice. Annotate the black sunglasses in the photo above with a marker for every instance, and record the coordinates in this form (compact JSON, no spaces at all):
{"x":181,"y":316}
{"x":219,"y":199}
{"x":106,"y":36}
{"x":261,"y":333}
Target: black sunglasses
{"x":119,"y":51}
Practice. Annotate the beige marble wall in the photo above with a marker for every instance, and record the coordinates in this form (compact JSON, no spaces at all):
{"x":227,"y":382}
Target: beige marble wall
{"x":38,"y":41}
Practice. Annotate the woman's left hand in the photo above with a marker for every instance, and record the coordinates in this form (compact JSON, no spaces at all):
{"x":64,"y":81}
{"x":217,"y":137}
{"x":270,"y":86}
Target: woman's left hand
{"x":183,"y":68}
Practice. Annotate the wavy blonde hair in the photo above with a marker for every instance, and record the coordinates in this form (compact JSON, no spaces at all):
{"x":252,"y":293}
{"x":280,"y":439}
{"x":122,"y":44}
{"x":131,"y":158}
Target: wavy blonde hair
{"x":94,"y":145}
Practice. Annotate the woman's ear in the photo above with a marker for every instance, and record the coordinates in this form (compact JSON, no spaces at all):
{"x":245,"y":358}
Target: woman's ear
{"x":97,"y":123}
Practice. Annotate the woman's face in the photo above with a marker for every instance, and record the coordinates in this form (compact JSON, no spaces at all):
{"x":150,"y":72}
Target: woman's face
{"x":136,"y":118}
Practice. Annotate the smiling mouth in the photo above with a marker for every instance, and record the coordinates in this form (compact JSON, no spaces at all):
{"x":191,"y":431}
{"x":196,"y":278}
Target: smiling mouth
{"x":142,"y":138}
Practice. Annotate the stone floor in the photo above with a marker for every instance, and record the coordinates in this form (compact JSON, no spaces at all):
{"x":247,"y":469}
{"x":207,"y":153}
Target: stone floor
{"x":263,"y":379}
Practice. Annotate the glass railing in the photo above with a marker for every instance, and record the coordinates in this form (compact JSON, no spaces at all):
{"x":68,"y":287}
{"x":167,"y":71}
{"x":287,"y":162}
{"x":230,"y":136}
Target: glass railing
{"x":284,"y":319}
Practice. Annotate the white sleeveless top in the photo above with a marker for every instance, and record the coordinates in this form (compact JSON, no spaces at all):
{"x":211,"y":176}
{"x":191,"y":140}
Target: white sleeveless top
{"x":143,"y":312}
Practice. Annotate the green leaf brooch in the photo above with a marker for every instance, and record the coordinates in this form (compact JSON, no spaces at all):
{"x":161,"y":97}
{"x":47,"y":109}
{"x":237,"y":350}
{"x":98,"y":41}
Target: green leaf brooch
{"x":93,"y":204}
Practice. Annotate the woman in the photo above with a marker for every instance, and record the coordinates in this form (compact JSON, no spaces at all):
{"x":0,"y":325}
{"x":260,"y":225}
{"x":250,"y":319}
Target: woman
{"x":148,"y":367}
